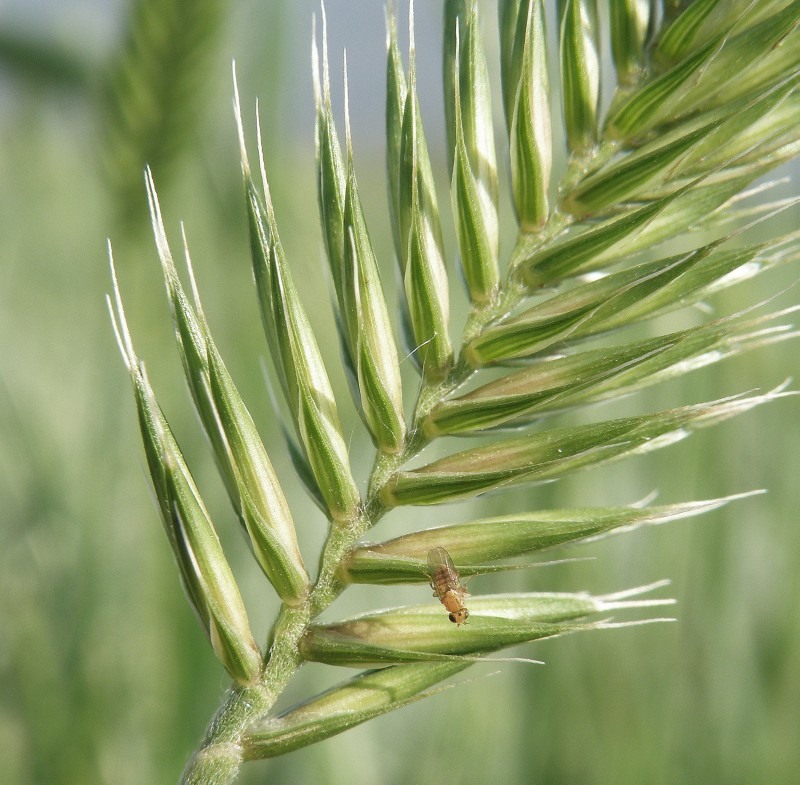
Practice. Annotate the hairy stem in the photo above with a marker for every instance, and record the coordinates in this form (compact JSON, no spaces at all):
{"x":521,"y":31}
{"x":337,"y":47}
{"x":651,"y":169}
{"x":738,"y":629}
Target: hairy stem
{"x":222,"y":751}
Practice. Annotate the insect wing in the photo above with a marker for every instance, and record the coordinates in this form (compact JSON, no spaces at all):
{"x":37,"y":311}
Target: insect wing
{"x":441,"y":565}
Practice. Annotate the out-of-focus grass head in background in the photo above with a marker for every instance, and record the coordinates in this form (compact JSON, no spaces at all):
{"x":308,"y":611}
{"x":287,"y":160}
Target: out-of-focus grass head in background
{"x":104,"y":675}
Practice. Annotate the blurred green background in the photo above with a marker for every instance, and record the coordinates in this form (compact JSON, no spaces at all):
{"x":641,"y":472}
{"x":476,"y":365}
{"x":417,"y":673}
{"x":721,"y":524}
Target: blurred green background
{"x":105,"y":676}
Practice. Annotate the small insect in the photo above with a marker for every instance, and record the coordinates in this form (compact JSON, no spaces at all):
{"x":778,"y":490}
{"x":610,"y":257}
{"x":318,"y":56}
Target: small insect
{"x":446,"y":585}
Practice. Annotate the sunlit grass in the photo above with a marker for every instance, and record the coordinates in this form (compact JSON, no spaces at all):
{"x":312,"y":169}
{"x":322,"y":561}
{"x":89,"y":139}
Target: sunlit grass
{"x":97,"y":642}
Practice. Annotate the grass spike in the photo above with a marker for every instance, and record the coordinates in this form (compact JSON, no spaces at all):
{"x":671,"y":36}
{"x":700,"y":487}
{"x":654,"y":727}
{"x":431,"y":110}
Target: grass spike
{"x":687,"y":138}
